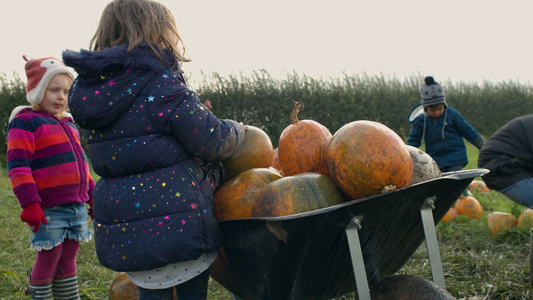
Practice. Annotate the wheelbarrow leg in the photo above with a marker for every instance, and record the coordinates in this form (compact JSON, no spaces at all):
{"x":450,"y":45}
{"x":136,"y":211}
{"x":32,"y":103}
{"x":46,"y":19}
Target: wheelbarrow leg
{"x":432,"y":244}
{"x":361,"y":282}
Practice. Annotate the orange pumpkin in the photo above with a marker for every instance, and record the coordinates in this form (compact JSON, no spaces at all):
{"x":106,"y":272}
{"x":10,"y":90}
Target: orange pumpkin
{"x":275,"y":161}
{"x":301,"y":146}
{"x":500,"y":222}
{"x":123,"y":289}
{"x":296,"y":194}
{"x":478,"y":186}
{"x":256,"y":151}
{"x":450,"y":215}
{"x":525,"y":219}
{"x":469,"y":206}
{"x":366,"y":158}
{"x":235,"y":198}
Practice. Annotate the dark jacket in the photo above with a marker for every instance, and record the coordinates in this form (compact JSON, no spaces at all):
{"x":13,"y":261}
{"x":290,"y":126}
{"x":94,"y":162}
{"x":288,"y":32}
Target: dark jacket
{"x":158,"y":152}
{"x":508,"y":153}
{"x":444,"y":137}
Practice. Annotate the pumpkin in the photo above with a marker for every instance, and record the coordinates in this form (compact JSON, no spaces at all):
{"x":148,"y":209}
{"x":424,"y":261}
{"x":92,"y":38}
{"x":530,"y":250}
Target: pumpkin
{"x":469,"y":206}
{"x":235,"y":198}
{"x":478,"y":186}
{"x":296,"y":194}
{"x":275,"y":161}
{"x":366,"y":158}
{"x":123,"y":289}
{"x":500,"y":222}
{"x":450,"y":215}
{"x":525,"y":219}
{"x":301,"y":146}
{"x":424,"y":167}
{"x":256,"y":151}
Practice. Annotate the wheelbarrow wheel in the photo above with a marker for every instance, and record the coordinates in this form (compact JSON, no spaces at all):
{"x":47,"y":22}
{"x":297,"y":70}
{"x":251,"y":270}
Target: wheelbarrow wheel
{"x":408,"y":287}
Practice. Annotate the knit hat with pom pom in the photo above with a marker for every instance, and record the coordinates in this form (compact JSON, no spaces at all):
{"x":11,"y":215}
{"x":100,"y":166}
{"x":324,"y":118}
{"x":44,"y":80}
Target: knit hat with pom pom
{"x":432,"y":93}
{"x":39,"y":73}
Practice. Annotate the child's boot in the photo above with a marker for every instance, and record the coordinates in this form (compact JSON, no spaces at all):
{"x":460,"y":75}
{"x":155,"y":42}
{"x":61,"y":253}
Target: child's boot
{"x":40,"y":289}
{"x":65,"y":287}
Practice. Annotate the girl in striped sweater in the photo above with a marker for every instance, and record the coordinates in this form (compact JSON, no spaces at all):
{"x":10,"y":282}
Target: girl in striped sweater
{"x":50,"y":178}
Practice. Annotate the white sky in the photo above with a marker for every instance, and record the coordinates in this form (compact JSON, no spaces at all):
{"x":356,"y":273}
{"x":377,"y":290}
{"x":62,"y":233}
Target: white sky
{"x":457,"y":40}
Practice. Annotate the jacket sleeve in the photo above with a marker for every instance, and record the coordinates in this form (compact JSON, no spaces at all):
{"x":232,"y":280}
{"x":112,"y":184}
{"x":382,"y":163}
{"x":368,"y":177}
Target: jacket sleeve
{"x":467,"y":131}
{"x":415,"y":136}
{"x":196,"y":128}
{"x":20,"y":149}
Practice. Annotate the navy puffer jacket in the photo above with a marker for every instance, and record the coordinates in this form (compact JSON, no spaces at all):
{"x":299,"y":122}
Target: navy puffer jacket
{"x":158,"y":152}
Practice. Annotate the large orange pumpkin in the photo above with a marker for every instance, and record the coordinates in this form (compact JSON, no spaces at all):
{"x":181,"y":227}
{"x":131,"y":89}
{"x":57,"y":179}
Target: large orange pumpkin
{"x":235,"y":198}
{"x":500,"y":222}
{"x":366,"y":158}
{"x":296,"y":194}
{"x":301,"y":146}
{"x":525,"y":220}
{"x":123,"y":289}
{"x":469,"y":206}
{"x":256,"y":151}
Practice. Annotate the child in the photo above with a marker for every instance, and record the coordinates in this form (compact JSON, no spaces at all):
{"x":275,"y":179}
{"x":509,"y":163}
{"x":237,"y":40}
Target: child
{"x":50,"y":178}
{"x":508,"y":154}
{"x":157,"y":149}
{"x":443,"y":129}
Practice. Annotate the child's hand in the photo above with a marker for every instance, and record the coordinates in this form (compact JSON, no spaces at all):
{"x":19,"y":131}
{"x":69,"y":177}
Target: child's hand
{"x":33,"y":215}
{"x":207,"y":104}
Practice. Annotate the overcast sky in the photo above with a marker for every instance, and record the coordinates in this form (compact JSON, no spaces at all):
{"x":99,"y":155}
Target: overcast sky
{"x":457,"y":40}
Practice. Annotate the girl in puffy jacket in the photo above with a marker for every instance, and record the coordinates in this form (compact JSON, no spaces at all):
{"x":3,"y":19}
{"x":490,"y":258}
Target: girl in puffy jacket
{"x":157,"y":149}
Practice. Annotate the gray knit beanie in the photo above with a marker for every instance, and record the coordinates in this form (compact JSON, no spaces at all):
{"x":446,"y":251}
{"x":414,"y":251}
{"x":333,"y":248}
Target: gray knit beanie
{"x":432,"y":93}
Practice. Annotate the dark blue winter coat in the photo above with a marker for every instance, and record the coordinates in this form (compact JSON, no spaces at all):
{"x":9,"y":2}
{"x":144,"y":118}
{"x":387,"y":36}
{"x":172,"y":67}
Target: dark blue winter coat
{"x":158,"y":152}
{"x":444,"y":137}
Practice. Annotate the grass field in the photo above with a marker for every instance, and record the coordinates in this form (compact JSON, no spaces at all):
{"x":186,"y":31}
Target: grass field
{"x":476,"y":264}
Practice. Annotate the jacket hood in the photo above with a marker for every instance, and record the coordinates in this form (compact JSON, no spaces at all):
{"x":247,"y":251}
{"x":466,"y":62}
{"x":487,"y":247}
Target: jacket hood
{"x":109,"y":81}
{"x":142,"y":57}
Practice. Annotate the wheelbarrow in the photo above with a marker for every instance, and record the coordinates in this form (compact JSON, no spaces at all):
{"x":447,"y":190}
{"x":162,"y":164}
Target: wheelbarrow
{"x":337,"y":250}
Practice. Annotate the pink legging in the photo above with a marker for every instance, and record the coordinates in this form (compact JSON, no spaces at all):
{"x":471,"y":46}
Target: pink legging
{"x":58,"y":262}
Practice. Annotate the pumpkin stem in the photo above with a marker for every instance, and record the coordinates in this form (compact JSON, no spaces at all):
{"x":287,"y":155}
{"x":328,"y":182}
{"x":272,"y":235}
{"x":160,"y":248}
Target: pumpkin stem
{"x":295,"y":111}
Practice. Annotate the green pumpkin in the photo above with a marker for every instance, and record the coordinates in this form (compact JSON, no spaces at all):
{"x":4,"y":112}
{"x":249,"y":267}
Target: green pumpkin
{"x":296,"y":194}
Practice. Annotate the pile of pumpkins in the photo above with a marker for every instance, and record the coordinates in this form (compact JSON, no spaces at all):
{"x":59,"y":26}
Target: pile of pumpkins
{"x":312,"y":168}
{"x":497,"y":222}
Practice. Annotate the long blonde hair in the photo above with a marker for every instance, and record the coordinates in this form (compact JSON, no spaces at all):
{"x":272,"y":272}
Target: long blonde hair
{"x":130,"y":22}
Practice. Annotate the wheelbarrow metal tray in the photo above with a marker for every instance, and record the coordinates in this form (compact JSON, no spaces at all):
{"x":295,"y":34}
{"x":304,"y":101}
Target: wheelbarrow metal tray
{"x":306,"y":255}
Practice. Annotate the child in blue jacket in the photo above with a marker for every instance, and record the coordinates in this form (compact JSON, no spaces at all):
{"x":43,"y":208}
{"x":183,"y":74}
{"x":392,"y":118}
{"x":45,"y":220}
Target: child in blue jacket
{"x":442,"y":128}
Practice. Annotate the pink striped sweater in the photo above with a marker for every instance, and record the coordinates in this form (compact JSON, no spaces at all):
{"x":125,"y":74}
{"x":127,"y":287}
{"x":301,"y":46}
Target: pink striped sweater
{"x":46,"y":162}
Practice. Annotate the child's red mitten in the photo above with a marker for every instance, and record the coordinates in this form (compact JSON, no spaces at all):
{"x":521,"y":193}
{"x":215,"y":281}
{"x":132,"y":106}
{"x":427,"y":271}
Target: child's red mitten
{"x":90,"y":210}
{"x":33,"y":215}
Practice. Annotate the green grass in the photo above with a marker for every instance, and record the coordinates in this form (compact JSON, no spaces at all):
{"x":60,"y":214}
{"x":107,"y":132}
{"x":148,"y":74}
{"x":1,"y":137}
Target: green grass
{"x":476,"y":264}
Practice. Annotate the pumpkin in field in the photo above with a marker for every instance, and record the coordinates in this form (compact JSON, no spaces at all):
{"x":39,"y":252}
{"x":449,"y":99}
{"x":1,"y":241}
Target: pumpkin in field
{"x":469,"y":206}
{"x":256,"y":151}
{"x":301,"y":146}
{"x":366,"y":158}
{"x":525,"y":219}
{"x":296,"y":194}
{"x":275,"y":161}
{"x":424,"y":167}
{"x":500,"y":222}
{"x":450,"y":215}
{"x":478,"y":186}
{"x":235,"y":198}
{"x":123,"y":289}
